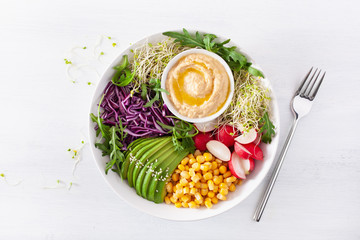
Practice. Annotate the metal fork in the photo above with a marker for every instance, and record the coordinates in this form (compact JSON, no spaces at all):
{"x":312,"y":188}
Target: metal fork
{"x":300,"y":106}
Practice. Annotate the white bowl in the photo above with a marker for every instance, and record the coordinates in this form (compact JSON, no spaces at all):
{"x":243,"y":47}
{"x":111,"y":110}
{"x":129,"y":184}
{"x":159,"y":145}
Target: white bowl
{"x":169,"y":211}
{"x":169,"y":103}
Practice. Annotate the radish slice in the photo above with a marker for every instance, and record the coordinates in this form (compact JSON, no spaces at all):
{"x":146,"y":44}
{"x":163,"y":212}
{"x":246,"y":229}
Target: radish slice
{"x":219,"y":150}
{"x":247,"y":137}
{"x":206,"y":126}
{"x":248,"y":165}
{"x":242,"y":151}
{"x":254,"y":150}
{"x":235,"y":166}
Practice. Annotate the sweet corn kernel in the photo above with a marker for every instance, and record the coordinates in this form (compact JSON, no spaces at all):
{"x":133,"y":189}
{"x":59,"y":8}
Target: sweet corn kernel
{"x":214,"y":200}
{"x":193,"y":191}
{"x":192,"y":160}
{"x":185,"y":174}
{"x":196,"y":166}
{"x":208,"y":157}
{"x":185,"y":204}
{"x":214,"y":165}
{"x":197,"y":153}
{"x":222,"y":169}
{"x":185,"y":161}
{"x":198,"y":196}
{"x":204,"y":191}
{"x":197,"y":184}
{"x":221,"y":197}
{"x":178,"y":204}
{"x":208,"y":204}
{"x":232,"y":187}
{"x":204,"y":168}
{"x":185,"y":198}
{"x":230,"y":179}
{"x":173,"y":199}
{"x":175,"y":177}
{"x":187,"y":168}
{"x":203,"y":185}
{"x":218,"y":161}
{"x":192,"y":204}
{"x":207,"y":199}
{"x":190,"y":156}
{"x":216,"y":189}
{"x":200,"y":159}
{"x":179,"y":193}
{"x":167,"y":200}
{"x":177,"y":170}
{"x":216,"y":172}
{"x":192,"y":172}
{"x":183,"y":182}
{"x":191,"y":184}
{"x":208,"y":176}
{"x":181,"y":167}
{"x":224,"y":191}
{"x":223,"y":185}
{"x":174,"y":189}
{"x":186,"y":190}
{"x":211,"y":194}
{"x":240,"y":182}
{"x":211,"y":184}
{"x":178,"y":186}
{"x":169,"y":187}
{"x":227,"y":174}
{"x":199,"y":201}
{"x":195,"y":179}
{"x":217,"y":180}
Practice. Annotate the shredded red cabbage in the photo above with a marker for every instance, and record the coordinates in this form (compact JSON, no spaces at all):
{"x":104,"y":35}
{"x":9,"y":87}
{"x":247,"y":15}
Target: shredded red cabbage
{"x":137,"y":120}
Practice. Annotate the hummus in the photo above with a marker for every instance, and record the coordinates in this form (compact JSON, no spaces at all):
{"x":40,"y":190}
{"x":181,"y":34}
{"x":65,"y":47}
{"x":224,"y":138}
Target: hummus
{"x":198,"y":85}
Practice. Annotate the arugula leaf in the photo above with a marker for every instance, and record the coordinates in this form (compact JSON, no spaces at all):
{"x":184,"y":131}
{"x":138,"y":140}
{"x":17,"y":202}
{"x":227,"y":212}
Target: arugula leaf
{"x":123,"y":75}
{"x":181,"y":136}
{"x":154,"y":85}
{"x":268,"y":128}
{"x":236,"y":60}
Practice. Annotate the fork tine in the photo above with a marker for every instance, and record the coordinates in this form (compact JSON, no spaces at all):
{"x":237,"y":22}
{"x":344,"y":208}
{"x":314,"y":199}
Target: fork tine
{"x":308,"y":83}
{"x":302,"y":83}
{"x":312,"y":84}
{"x":317,"y":87}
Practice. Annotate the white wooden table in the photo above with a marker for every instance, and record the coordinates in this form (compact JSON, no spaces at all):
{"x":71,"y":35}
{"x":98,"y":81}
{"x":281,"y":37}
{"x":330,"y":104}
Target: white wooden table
{"x":43,"y":114}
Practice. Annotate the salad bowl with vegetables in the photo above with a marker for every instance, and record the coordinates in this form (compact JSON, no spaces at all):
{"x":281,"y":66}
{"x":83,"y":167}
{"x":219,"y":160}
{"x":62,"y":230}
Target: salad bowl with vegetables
{"x":171,"y":165}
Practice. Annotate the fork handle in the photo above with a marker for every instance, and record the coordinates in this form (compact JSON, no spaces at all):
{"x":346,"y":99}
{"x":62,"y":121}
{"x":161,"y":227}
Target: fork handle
{"x":261,"y":206}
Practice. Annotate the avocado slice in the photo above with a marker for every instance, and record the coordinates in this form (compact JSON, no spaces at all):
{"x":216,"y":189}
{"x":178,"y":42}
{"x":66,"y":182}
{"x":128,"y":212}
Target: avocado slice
{"x":157,"y":188}
{"x":135,"y":169}
{"x":167,"y":149}
{"x":152,"y":176}
{"x":138,"y":156}
{"x":131,"y":152}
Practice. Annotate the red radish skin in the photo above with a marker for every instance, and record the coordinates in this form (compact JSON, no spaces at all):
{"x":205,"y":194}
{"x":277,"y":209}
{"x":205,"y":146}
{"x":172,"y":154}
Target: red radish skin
{"x":201,"y":139}
{"x":241,"y":151}
{"x":227,"y":134}
{"x":252,"y":164}
{"x":219,"y":150}
{"x":247,"y":137}
{"x":236,"y":167}
{"x":254,"y":150}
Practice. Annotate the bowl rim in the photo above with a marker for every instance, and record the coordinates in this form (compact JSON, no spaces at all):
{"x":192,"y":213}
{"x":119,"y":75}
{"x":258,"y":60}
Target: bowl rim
{"x":167,"y":100}
{"x":151,"y":210}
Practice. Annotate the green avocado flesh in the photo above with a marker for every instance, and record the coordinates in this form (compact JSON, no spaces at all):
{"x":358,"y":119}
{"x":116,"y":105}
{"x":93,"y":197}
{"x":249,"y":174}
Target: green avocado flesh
{"x":148,"y":164}
{"x":140,"y":157}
